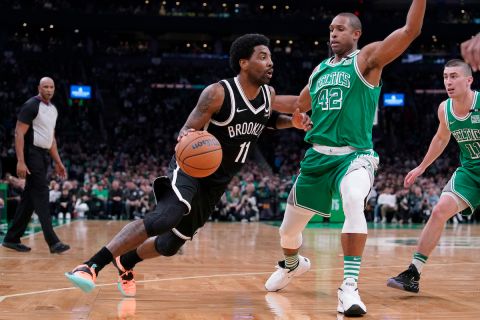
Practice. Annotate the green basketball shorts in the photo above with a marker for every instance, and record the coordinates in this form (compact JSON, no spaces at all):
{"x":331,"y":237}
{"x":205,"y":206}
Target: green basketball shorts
{"x":465,"y":183}
{"x":321,"y":174}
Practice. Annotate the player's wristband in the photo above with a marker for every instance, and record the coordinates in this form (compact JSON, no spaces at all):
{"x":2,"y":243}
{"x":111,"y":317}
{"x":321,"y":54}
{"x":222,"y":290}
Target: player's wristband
{"x":272,"y":121}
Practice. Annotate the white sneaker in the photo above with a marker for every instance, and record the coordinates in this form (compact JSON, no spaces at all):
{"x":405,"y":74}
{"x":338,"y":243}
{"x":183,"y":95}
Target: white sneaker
{"x":349,"y":302}
{"x":60,"y":215}
{"x":282,"y":277}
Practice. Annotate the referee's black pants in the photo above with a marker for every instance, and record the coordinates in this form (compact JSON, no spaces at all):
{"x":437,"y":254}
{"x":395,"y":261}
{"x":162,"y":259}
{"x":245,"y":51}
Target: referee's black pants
{"x":34,"y":198}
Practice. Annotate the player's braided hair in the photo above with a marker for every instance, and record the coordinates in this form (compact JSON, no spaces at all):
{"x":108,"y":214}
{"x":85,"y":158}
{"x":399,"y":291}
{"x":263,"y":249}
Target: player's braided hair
{"x":242,"y":48}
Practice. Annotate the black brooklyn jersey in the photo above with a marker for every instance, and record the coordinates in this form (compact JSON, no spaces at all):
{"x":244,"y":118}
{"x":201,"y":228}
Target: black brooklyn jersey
{"x":237,"y":126}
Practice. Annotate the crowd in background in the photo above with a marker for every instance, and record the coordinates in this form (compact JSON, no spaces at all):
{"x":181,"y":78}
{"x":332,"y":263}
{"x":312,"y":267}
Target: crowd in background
{"x":115,"y":144}
{"x":238,"y":9}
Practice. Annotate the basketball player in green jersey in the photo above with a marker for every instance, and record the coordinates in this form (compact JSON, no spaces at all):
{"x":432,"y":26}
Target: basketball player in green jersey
{"x":459,"y":116}
{"x":342,"y":93}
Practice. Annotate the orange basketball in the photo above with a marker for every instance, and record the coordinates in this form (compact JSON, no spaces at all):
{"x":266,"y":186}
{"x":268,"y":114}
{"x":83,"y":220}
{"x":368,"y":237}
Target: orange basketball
{"x":199,"y":154}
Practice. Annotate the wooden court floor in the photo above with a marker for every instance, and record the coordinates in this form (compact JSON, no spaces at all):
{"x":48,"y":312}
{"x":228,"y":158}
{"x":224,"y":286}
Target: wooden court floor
{"x":220,"y":275}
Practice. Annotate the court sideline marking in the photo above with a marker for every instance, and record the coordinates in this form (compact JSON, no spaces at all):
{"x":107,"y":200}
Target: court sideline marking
{"x":2,"y":298}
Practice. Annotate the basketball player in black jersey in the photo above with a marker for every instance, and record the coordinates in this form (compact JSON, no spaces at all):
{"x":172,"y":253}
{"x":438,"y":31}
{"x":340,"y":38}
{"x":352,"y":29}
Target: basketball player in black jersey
{"x":235,"y":111}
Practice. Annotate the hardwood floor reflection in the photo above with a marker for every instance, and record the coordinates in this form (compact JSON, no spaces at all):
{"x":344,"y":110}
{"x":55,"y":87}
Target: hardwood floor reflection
{"x":221,"y":275}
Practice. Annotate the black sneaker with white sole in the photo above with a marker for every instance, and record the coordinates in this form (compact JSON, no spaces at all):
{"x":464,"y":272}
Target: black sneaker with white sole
{"x":408,"y":280}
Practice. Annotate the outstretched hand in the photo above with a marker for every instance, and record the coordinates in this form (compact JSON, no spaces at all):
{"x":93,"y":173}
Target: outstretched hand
{"x":412,"y":176}
{"x":301,"y":120}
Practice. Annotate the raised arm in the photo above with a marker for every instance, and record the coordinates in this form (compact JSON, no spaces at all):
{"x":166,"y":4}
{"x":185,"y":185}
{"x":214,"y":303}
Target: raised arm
{"x":209,"y":103}
{"x":437,"y":145}
{"x":373,"y":57}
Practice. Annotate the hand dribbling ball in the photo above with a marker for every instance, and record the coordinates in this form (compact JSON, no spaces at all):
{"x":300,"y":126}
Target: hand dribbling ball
{"x":199,"y":154}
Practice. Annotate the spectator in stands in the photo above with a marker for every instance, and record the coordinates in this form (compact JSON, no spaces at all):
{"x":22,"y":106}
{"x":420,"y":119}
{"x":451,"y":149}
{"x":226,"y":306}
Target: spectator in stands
{"x":84,"y":201}
{"x":432,"y":199}
{"x":386,"y":205}
{"x":233,"y":198}
{"x":116,"y":205}
{"x":54,"y":195}
{"x":64,"y":205}
{"x":264,"y":196}
{"x":144,"y":207}
{"x":417,"y":203}
{"x":282,"y":197}
{"x":99,"y":200}
{"x":246,"y":209}
{"x":14,"y":190}
{"x":403,"y":213}
{"x":132,"y":200}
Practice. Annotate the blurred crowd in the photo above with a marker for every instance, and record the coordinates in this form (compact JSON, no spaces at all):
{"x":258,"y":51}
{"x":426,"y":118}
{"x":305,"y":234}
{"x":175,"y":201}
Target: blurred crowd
{"x":244,"y":9}
{"x":115,"y":144}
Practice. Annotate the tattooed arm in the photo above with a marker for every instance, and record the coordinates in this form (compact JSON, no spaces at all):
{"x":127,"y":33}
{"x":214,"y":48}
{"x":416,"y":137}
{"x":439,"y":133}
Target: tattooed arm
{"x":209,"y":103}
{"x":134,"y":233}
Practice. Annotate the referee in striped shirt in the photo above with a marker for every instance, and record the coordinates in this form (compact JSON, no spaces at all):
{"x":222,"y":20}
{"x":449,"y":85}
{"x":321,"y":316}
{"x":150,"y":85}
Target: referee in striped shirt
{"x":34,"y":140}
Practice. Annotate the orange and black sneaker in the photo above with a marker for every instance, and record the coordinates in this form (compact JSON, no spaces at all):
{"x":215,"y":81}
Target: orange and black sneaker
{"x":83,"y":277}
{"x":126,"y":281}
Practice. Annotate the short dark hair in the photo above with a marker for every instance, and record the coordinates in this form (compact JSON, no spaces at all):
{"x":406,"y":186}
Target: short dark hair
{"x":242,"y":48}
{"x":460,"y":63}
{"x":355,"y":22}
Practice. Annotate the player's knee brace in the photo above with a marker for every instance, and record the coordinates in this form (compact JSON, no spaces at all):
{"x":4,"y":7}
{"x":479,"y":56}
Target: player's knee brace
{"x":167,"y":215}
{"x":294,"y":221}
{"x":168,"y":244}
{"x":290,"y":241}
{"x":355,"y":221}
{"x":354,"y":188}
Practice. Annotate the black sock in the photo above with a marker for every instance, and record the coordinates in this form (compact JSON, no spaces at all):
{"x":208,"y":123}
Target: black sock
{"x":130,"y":259}
{"x":100,"y":259}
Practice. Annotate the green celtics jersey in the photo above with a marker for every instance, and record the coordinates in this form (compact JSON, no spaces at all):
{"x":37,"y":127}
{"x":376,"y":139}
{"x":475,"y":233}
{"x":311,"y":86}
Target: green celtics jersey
{"x":343,"y":105}
{"x":466,"y":131}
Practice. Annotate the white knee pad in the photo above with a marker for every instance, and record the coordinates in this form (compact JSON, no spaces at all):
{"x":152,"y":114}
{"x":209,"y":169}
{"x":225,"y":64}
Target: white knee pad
{"x":294,"y":221}
{"x":354,"y":188}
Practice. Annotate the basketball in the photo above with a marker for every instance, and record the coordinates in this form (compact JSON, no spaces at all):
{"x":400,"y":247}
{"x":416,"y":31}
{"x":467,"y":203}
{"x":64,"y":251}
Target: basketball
{"x":199,"y":154}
